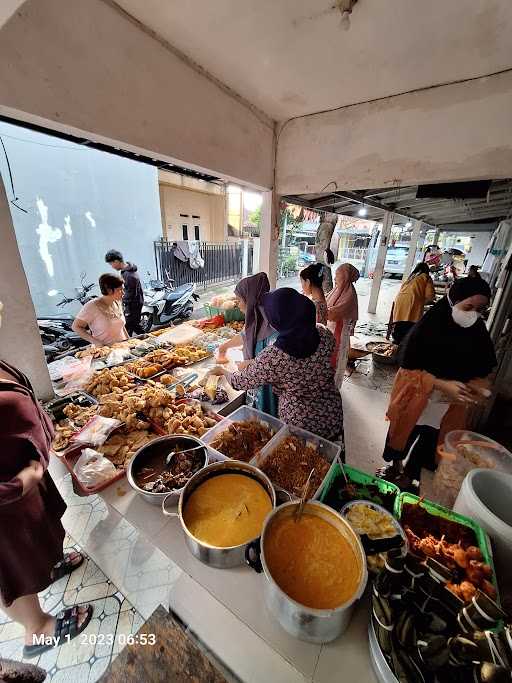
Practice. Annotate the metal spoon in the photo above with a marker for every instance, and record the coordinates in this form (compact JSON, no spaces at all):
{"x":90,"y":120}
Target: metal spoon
{"x":298,"y":512}
{"x":171,"y":455}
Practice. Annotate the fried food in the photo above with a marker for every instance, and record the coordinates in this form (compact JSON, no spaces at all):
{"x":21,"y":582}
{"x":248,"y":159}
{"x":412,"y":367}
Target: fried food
{"x":290,"y":463}
{"x":451,"y":544}
{"x":373,"y":523}
{"x":243,"y":440}
{"x":76,"y":417}
{"x":110,"y":380}
{"x":120,"y":447}
{"x":385,"y":349}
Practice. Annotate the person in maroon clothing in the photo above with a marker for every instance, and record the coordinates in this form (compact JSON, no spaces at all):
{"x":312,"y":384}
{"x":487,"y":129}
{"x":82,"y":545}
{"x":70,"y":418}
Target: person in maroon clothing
{"x":31,"y":508}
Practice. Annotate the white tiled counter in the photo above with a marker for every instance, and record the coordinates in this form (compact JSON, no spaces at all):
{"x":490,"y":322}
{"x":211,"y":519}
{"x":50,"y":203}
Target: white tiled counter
{"x":145,"y":555}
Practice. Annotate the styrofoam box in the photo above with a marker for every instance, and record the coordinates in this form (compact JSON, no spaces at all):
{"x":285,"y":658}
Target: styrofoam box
{"x":243,"y":414}
{"x":328,"y":450}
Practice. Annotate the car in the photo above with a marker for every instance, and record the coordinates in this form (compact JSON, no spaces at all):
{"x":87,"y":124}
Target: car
{"x":395,"y":260}
{"x":305,"y":259}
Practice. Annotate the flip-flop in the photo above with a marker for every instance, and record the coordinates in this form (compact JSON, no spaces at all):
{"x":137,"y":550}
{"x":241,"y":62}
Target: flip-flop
{"x":66,"y":628}
{"x":66,"y":566}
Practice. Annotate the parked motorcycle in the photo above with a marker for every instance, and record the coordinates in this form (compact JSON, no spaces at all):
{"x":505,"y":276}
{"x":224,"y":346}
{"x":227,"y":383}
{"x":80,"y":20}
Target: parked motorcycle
{"x":57,"y":336}
{"x":164,"y":303}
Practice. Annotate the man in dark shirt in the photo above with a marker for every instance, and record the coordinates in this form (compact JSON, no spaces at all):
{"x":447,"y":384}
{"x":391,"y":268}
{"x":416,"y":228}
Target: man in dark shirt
{"x":133,"y":297}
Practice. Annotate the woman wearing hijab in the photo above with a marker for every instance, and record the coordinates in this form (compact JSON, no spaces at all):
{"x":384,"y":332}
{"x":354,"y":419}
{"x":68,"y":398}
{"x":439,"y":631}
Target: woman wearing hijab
{"x":342,"y":314}
{"x":444,"y":363}
{"x":256,"y":336}
{"x":297,"y":366}
{"x":410,"y":302}
{"x":31,"y":508}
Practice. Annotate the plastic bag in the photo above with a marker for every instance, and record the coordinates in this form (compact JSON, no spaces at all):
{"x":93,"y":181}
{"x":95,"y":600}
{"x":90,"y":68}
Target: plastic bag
{"x":76,"y":376}
{"x":96,"y":431}
{"x":64,"y":367}
{"x":92,"y":468}
{"x":117,"y":356}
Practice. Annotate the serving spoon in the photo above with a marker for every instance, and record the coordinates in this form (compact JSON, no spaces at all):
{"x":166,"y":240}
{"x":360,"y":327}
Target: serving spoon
{"x":305,"y":490}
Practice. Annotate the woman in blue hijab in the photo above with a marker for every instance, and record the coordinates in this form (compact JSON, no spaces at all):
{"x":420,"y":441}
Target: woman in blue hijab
{"x":297,"y":366}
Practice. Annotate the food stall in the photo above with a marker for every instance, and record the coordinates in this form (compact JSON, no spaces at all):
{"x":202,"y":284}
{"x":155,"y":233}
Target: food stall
{"x":344,"y":569}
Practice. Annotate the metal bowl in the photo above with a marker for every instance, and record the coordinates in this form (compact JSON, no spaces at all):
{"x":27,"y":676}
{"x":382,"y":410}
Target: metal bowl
{"x":163,"y":445}
{"x":214,"y":556}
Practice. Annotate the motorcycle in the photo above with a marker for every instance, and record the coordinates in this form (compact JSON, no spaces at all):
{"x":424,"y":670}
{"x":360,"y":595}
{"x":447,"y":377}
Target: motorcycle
{"x":57,"y":336}
{"x":164,"y":303}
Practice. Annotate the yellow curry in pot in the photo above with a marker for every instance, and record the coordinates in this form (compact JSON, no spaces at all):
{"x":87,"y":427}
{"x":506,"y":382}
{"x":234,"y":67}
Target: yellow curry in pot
{"x":227,"y":510}
{"x":311,"y":561}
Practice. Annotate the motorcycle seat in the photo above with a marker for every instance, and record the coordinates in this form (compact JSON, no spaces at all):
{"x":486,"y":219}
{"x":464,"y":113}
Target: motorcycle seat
{"x":178,"y":293}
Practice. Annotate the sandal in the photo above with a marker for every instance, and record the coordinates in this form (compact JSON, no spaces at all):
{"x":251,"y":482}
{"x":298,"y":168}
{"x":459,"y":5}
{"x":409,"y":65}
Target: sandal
{"x":395,"y":476}
{"x":66,"y":566}
{"x":66,"y":628}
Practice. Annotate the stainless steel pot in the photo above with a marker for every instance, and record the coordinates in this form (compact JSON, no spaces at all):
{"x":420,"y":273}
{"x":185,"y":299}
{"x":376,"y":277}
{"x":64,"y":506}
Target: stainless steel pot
{"x":163,"y":445}
{"x":214,"y":556}
{"x":306,"y":623}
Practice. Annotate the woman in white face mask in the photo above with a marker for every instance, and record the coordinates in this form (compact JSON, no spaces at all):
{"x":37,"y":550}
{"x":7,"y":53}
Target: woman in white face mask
{"x":443,"y":365}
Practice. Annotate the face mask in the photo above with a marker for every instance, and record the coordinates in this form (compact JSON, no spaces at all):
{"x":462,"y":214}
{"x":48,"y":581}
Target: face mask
{"x":464,"y":318}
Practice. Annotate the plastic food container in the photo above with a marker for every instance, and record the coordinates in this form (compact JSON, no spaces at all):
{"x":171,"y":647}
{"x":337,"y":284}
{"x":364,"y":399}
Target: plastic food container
{"x":482,"y":539}
{"x":385,"y":491}
{"x":328,"y":450}
{"x":486,"y":495}
{"x":243,"y":414}
{"x":462,"y":452}
{"x":230,"y":315}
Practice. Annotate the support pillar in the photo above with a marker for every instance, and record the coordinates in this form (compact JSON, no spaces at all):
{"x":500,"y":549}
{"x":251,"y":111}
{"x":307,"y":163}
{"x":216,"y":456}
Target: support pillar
{"x":269,"y":236}
{"x":413,"y":246}
{"x":20,"y":341}
{"x":381,"y":260}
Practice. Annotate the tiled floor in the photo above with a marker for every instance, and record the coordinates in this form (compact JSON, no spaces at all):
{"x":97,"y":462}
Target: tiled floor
{"x":84,"y":659}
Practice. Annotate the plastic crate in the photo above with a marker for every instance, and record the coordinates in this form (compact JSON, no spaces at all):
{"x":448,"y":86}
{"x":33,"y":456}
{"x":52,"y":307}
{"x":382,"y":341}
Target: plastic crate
{"x":231,"y":315}
{"x":360,"y":480}
{"x":483,"y":540}
{"x":330,"y":451}
{"x":243,"y":414}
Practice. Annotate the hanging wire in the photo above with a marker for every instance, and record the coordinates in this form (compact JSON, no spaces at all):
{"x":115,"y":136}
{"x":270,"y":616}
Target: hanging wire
{"x":15,"y":197}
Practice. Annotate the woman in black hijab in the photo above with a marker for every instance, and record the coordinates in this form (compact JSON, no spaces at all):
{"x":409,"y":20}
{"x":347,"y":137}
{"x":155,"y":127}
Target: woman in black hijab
{"x":441,"y":361}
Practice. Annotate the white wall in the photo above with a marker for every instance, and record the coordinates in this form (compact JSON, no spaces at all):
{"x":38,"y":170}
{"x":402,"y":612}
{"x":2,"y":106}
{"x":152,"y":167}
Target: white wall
{"x":449,"y":133}
{"x":20,"y":341}
{"x":85,"y":67}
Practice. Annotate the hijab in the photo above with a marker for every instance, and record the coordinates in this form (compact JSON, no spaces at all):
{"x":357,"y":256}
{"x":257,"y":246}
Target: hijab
{"x":251,"y":290}
{"x":342,"y":301}
{"x":446,"y":350}
{"x":294,"y":317}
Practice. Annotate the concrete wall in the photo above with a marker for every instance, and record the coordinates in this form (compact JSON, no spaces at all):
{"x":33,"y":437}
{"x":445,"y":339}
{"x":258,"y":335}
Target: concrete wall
{"x":208,"y":203}
{"x":86,"y":67}
{"x":79,"y":203}
{"x":20,"y":341}
{"x":449,"y":133}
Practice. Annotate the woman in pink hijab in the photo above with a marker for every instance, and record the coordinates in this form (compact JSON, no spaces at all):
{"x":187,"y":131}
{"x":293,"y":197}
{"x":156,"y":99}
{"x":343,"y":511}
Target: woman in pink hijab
{"x":342,"y":310}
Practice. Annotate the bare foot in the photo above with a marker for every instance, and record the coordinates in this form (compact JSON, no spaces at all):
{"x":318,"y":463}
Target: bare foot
{"x":47,"y":627}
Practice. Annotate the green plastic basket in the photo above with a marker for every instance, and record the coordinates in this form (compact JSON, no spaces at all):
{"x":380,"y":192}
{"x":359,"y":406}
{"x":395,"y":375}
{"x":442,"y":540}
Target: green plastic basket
{"x":230,"y":316}
{"x":483,"y":540}
{"x":360,"y":480}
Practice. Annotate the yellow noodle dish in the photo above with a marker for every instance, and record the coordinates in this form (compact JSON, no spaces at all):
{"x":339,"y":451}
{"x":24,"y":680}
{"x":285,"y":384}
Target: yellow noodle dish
{"x":227,"y":510}
{"x":311,"y":561}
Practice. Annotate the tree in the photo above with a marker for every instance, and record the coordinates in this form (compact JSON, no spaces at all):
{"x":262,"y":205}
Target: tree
{"x":255,"y":217}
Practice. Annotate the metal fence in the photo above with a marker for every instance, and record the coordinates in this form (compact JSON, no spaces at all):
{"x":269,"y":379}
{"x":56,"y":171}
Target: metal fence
{"x":223,"y":262}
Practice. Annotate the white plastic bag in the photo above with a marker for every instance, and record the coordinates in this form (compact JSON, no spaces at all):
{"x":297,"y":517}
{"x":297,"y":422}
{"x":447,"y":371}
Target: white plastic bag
{"x":117,"y":356}
{"x":96,"y":431}
{"x":75,"y":376}
{"x":92,"y":468}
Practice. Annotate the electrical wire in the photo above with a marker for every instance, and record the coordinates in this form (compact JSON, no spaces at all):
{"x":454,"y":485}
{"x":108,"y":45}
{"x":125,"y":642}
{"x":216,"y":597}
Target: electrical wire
{"x":15,"y":197}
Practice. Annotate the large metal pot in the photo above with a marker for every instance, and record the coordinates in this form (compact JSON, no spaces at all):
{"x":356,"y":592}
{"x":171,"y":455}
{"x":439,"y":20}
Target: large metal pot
{"x":214,"y":556}
{"x":306,"y":623}
{"x":163,"y":445}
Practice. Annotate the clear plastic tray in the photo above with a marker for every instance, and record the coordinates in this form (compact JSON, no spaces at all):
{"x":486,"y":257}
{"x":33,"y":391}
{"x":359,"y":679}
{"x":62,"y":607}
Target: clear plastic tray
{"x":330,"y":451}
{"x":243,"y":414}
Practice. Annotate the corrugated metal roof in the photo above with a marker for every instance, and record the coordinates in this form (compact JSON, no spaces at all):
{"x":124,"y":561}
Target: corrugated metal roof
{"x":436,"y":212}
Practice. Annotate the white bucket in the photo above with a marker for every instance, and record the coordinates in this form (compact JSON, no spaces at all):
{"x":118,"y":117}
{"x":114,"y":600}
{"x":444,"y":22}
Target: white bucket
{"x":486,"y":496}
